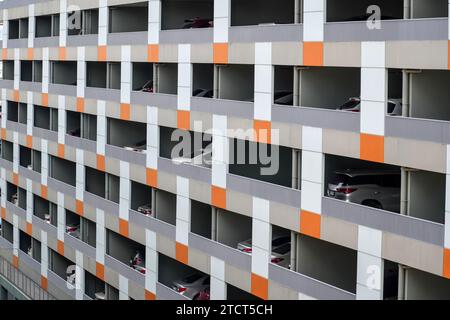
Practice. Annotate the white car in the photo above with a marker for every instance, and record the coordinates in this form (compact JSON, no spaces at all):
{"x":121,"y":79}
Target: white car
{"x":201,"y":158}
{"x":354,"y":105}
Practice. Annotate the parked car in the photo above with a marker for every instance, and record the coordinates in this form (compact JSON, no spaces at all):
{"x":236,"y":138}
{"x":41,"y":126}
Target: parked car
{"x":198,"y":22}
{"x":148,"y":86}
{"x":100,"y":295}
{"x":145,"y":209}
{"x":375,"y":188}
{"x":192,"y":285}
{"x":284,"y":98}
{"x":203,"y":93}
{"x":75,"y":132}
{"x":140,"y":146}
{"x":29,"y":251}
{"x":204,"y":294}
{"x":15,"y":199}
{"x":47,"y":218}
{"x":246,"y":246}
{"x":71,"y":274}
{"x":354,"y":105}
{"x":282,"y":255}
{"x":73,"y":230}
{"x":137,"y":262}
{"x":203,"y":158}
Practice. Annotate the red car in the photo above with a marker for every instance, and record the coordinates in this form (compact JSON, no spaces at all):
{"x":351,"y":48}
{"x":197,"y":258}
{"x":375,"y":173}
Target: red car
{"x":203,"y":295}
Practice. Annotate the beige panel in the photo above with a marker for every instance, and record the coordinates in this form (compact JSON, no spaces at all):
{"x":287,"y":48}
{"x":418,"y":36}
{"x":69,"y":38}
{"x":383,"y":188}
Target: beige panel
{"x":289,"y":135}
{"x":167,"y":118}
{"x":83,"y":4}
{"x":112,"y":277}
{"x":410,"y":153}
{"x":199,"y":260}
{"x":279,"y":292}
{"x":238,"y":128}
{"x":201,"y":121}
{"x":202,"y":53}
{"x":168,"y":53}
{"x":51,"y":7}
{"x":167,"y":182}
{"x":136,"y":233}
{"x":199,"y":191}
{"x":284,"y":216}
{"x":238,"y":277}
{"x":137,"y":173}
{"x":339,"y":232}
{"x":139,"y":53}
{"x":287,"y":53}
{"x":241,"y":53}
{"x":343,"y":143}
{"x":239,"y":203}
{"x":138,"y":113}
{"x":417,"y":54}
{"x":91,"y":53}
{"x":342,"y":54}
{"x":18,"y":12}
{"x":119,"y":2}
{"x":112,"y":222}
{"x":165,"y":246}
{"x":136,"y":291}
{"x":114,"y":53}
{"x":112,"y":166}
{"x":413,"y":253}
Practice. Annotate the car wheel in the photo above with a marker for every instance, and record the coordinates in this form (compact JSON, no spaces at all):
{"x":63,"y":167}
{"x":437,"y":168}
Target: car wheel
{"x":372,"y":203}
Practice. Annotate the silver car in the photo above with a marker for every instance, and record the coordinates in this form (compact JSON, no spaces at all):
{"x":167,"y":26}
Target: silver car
{"x":246,"y":246}
{"x":192,"y":285}
{"x":374,"y":188}
{"x":282,"y":255}
{"x":394,"y":106}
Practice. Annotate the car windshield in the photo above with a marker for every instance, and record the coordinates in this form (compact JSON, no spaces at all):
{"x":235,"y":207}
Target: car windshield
{"x":285,"y":248}
{"x":353,"y":103}
{"x":279,"y":241}
{"x":391,"y":107}
{"x":192,"y":278}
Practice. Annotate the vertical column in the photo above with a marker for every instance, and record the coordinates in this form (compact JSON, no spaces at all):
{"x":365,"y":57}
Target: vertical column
{"x":448,"y":36}
{"x":314,"y":12}
{"x":81,"y":78}
{"x":151,"y":265}
{"x":154,"y":26}
{"x":30,"y":119}
{"x":44,"y":260}
{"x":61,"y":125}
{"x":79,"y":182}
{"x":218,"y":285}
{"x":100,"y":241}
{"x":5,"y":32}
{"x":16,"y":158}
{"x":152,"y":147}
{"x":3,"y":192}
{"x":261,"y":247}
{"x":31,"y":31}
{"x":29,"y":216}
{"x":263,"y":92}
{"x":16,"y":74}
{"x":219,"y":168}
{"x":79,"y":275}
{"x":124,"y":199}
{"x":373,"y":100}
{"x":102,"y":30}
{"x":44,"y":168}
{"x":183,"y":220}
{"x":446,"y":251}
{"x":370,"y":265}
{"x":62,"y":29}
{"x":101,"y":135}
{"x":45,"y":76}
{"x":312,"y":181}
{"x":222,"y":9}
{"x":125,"y":83}
{"x":61,"y":225}
{"x":15,"y":257}
{"x":123,"y":287}
{"x":184,"y":86}
{"x":4,"y":114}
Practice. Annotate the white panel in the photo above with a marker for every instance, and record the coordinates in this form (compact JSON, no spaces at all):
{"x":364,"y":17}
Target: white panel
{"x":263,"y":106}
{"x":261,"y":209}
{"x":218,"y":289}
{"x":373,"y":54}
{"x":261,"y":234}
{"x":263,"y":53}
{"x":260,"y":262}
{"x":182,"y":231}
{"x":364,"y":293}
{"x":372,"y":117}
{"x":217,"y":268}
{"x":313,"y":26}
{"x":313,"y":5}
{"x":221,"y":26}
{"x":312,"y":139}
{"x":369,"y":271}
{"x":220,"y":126}
{"x":219,"y":174}
{"x":369,"y":240}
{"x":183,"y":208}
{"x":182,"y":186}
{"x":312,"y":166}
{"x":263,"y":78}
{"x":311,"y":196}
{"x":373,"y":84}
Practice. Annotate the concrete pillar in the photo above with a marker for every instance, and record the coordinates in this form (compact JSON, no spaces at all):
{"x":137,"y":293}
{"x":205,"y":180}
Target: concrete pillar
{"x":125,"y":83}
{"x":16,"y":68}
{"x":218,"y":289}
{"x":123,"y":287}
{"x":261,"y":247}
{"x":183,"y":220}
{"x":81,"y":78}
{"x":31,"y":31}
{"x":100,"y":241}
{"x":369,"y":284}
{"x":101,"y":135}
{"x":44,"y":260}
{"x":446,"y":251}
{"x":16,"y":247}
{"x":61,"y":223}
{"x":44,"y":168}
{"x":184,"y":86}
{"x":5,"y":32}
{"x":63,"y":24}
{"x":79,"y":275}
{"x":45,"y":76}
{"x":102,"y":23}
{"x":151,"y":265}
{"x":219,"y":168}
{"x":222,"y":9}
{"x":30,"y":119}
{"x":16,"y":157}
{"x":4,"y":113}
{"x":124,"y":198}
{"x":314,"y":13}
{"x":154,"y":21}
{"x":152,"y":149}
{"x":407,"y":14}
{"x":79,"y":182}
{"x":29,"y":214}
{"x":61,"y":125}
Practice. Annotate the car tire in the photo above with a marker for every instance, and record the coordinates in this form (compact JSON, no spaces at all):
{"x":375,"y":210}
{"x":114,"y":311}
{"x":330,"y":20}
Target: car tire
{"x":372,"y":203}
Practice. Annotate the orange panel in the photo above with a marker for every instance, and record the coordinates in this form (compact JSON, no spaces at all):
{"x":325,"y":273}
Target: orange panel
{"x":182,"y":252}
{"x":3,"y":133}
{"x":79,"y":207}
{"x":16,"y":179}
{"x":152,"y":177}
{"x":4,"y":54}
{"x":80,"y":104}
{"x":260,"y":286}
{"x":30,"y":53}
{"x":29,"y":229}
{"x":101,"y":53}
{"x":100,"y":162}
{"x":62,"y":53}
{"x":123,"y":227}
{"x":60,"y":150}
{"x":60,"y":247}
{"x":3,"y":213}
{"x":310,"y":224}
{"x":153,"y":53}
{"x":149,"y":295}
{"x":44,"y":283}
{"x":16,"y":95}
{"x":29,"y":141}
{"x":313,"y":54}
{"x":371,"y":147}
{"x":44,"y":191}
{"x":220,"y":53}
{"x":218,"y":197}
{"x":448,"y":54}
{"x":15,"y":261}
{"x":446,"y":267}
{"x":100,"y":271}
{"x":262,"y":131}
{"x":44,"y":99}
{"x":125,"y":111}
{"x":183,"y":119}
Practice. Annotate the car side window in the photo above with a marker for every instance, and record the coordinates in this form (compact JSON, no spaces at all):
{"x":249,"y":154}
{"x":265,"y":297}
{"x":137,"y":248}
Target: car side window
{"x":391,"y":181}
{"x":391,"y":107}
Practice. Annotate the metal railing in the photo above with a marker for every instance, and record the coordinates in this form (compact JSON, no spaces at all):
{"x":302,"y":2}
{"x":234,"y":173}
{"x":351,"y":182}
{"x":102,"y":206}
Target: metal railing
{"x":27,"y":286}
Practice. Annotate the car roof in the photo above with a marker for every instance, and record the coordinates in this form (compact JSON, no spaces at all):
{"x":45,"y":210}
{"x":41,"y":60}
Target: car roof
{"x":366,"y":172}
